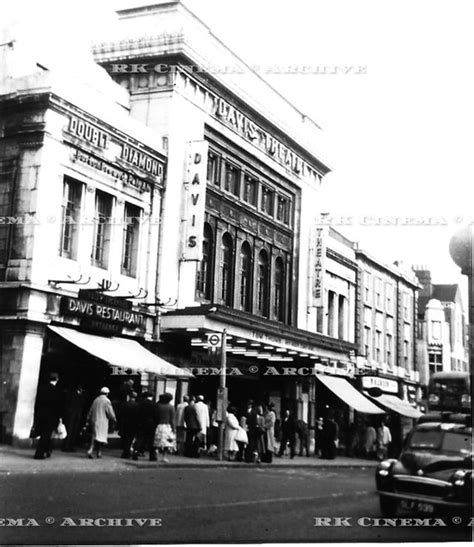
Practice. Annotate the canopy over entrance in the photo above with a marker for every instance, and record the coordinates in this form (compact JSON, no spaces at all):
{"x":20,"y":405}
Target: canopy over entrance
{"x":349,"y":395}
{"x":396,"y":404}
{"x":121,"y":352}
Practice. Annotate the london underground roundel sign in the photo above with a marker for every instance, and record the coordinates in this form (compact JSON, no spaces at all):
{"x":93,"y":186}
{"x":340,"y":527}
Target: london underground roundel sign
{"x":214,"y":340}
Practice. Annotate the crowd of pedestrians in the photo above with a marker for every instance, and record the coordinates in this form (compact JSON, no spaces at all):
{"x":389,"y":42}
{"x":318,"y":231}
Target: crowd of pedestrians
{"x":192,"y":429}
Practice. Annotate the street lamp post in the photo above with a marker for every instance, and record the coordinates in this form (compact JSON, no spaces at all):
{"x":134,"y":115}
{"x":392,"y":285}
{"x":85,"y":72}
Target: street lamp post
{"x":222,"y":396}
{"x":462,"y":252}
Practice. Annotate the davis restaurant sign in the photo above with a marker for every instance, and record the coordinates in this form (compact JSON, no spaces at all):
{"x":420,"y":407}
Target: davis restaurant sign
{"x":102,"y":311}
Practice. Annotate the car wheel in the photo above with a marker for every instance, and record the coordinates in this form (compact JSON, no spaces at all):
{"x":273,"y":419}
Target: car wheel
{"x":388,"y":506}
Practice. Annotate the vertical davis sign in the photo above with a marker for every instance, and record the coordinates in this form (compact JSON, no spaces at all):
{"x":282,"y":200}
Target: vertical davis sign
{"x":194,"y":199}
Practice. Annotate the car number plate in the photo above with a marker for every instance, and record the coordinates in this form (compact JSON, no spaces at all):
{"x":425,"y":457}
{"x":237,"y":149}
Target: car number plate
{"x":411,"y":505}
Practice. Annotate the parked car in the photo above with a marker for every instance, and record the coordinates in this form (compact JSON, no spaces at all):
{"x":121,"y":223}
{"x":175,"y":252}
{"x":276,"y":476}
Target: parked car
{"x":433,"y":474}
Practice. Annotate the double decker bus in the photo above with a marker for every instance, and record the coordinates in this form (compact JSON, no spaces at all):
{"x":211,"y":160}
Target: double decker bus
{"x":450,"y":392}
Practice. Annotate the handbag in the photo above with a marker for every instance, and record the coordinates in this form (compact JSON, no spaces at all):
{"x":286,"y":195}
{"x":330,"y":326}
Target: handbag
{"x":60,"y":432}
{"x":241,"y":436}
{"x":34,"y":431}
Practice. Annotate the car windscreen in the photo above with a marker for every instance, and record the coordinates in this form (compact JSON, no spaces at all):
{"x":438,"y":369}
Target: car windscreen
{"x":457,"y":442}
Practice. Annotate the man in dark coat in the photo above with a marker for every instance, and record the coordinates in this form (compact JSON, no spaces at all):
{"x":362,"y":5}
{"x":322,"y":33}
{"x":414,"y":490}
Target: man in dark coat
{"x":47,"y":415}
{"x":73,"y":409}
{"x":330,"y":436}
{"x":302,"y":431}
{"x":288,"y":433}
{"x":146,"y":426}
{"x":127,"y":422}
{"x":193,"y":427}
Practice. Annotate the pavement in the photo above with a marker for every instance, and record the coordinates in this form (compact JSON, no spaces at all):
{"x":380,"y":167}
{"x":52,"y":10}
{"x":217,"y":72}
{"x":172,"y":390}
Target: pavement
{"x":20,"y":460}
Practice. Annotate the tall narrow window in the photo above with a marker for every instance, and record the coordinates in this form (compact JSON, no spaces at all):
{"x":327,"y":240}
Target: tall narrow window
{"x":388,"y":350}
{"x":102,"y":229}
{"x":262,"y":286}
{"x":378,"y":346}
{"x":204,"y":277}
{"x":266,"y":201}
{"x":131,"y":234}
{"x":226,"y":270}
{"x":245,"y":276}
{"x":279,"y":290}
{"x":368,"y":343}
{"x":283,"y":210}
{"x":331,"y":313}
{"x":213,"y":168}
{"x":71,"y":207}
{"x":250,"y":190}
{"x":232,"y":180}
{"x":342,"y":317}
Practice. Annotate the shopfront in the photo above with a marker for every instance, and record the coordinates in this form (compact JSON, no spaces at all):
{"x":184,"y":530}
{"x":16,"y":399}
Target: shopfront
{"x":401,"y":415}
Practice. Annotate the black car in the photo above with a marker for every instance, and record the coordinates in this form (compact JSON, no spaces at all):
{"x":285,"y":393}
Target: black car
{"x":433,"y":474}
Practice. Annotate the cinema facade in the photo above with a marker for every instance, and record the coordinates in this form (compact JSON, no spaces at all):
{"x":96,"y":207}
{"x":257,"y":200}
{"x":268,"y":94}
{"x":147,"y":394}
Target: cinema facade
{"x":241,"y":248}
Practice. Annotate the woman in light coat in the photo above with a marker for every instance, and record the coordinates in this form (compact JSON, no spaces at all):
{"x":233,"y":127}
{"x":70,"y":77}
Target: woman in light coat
{"x":100,"y":413}
{"x":269,"y":423}
{"x":230,"y":433}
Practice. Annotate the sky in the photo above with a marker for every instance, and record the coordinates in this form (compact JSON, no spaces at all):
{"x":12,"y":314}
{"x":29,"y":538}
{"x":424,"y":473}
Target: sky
{"x":397,"y":116}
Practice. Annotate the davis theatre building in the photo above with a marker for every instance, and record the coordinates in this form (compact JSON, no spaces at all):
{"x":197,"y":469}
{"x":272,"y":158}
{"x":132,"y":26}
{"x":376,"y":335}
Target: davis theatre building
{"x":80,"y":198}
{"x":240,"y":247}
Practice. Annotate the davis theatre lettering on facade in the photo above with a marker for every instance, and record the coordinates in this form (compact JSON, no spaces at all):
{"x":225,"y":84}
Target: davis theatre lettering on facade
{"x":250,"y":131}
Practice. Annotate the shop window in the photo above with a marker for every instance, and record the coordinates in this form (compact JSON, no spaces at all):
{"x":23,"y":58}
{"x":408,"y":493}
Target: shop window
{"x":245,"y":276}
{"x":262,"y":286}
{"x":226,"y":270}
{"x":131,"y":235}
{"x":232,"y":180}
{"x":213,"y":168}
{"x":204,"y":275}
{"x":266,"y":201}
{"x":283,"y":210}
{"x":250,"y":190}
{"x":102,"y":229}
{"x":71,"y":207}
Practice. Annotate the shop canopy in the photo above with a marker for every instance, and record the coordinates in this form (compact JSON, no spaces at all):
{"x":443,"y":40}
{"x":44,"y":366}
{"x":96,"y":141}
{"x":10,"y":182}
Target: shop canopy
{"x":347,"y":393}
{"x":121,"y":352}
{"x":392,"y":402}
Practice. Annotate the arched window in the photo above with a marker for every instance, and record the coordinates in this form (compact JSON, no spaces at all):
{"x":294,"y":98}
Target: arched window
{"x":204,"y":275}
{"x":245,"y":276}
{"x":279,"y":290}
{"x":262,"y":284}
{"x":226,"y":270}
